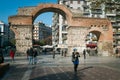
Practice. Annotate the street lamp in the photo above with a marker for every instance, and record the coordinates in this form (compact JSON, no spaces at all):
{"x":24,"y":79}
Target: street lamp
{"x":9,"y":30}
{"x":1,"y":33}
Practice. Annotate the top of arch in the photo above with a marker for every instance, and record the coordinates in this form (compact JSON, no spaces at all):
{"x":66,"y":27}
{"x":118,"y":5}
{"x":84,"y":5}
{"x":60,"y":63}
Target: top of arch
{"x":41,"y":8}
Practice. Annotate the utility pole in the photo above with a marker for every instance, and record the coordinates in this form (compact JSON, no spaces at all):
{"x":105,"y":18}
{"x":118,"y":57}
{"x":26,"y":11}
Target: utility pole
{"x":9,"y":31}
{"x":1,"y":33}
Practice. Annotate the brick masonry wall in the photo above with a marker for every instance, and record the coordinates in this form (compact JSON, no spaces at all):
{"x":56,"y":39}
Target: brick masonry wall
{"x":76,"y":38}
{"x":24,"y":39}
{"x":78,"y":26}
{"x":26,"y":10}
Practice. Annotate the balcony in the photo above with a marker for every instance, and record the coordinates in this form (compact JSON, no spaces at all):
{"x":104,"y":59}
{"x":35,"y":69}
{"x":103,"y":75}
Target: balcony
{"x":116,"y":33}
{"x":64,"y":37}
{"x":86,"y":13}
{"x":116,"y":25}
{"x":85,"y":6}
{"x":118,"y":20}
{"x":64,"y":28}
{"x":117,"y":37}
{"x":96,"y":12}
{"x":112,"y":20}
{"x":110,"y":14}
{"x":96,"y":7}
{"x":118,"y":13}
{"x":110,"y":6}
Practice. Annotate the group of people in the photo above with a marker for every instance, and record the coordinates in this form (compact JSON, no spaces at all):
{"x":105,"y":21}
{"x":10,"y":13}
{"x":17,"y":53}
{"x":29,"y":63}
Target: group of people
{"x":32,"y":55}
{"x":11,"y":53}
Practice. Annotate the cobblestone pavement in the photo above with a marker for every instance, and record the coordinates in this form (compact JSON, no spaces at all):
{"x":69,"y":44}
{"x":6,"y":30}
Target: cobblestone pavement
{"x":61,"y":68}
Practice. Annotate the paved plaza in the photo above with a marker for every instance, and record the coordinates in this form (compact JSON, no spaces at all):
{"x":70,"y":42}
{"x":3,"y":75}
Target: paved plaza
{"x":61,"y":68}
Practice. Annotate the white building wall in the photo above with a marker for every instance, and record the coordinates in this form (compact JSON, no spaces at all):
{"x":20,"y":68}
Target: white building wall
{"x":78,"y":7}
{"x":60,"y":29}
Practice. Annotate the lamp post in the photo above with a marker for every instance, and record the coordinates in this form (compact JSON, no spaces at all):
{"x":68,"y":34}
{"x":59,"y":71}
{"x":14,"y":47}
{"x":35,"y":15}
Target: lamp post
{"x":9,"y":30}
{"x":1,"y":33}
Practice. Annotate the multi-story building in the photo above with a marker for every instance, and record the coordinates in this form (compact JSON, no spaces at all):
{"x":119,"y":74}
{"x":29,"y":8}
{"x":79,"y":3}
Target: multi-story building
{"x":55,"y":30}
{"x":4,"y":34}
{"x":76,"y":6}
{"x":59,"y":26}
{"x":113,"y":14}
{"x":41,"y":31}
{"x":89,"y":8}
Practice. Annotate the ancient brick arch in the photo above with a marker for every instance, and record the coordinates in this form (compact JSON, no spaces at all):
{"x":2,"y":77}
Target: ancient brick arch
{"x":61,"y":9}
{"x":81,"y":26}
{"x":26,"y":16}
{"x":22,"y":25}
{"x":98,"y":32}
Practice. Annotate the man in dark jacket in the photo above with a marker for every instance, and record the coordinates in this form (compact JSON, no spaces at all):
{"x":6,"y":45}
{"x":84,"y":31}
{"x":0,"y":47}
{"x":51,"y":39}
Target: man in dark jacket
{"x":30,"y":55}
{"x":84,"y":53}
{"x":35,"y":56}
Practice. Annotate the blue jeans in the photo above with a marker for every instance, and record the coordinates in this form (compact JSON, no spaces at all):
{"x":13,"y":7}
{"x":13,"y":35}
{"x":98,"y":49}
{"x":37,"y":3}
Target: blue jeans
{"x":30,"y":59}
{"x":34,"y":60}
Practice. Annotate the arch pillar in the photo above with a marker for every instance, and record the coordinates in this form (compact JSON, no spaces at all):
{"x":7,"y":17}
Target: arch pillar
{"x":105,"y":48}
{"x":76,"y":38}
{"x":22,"y":27}
{"x":23,"y":37}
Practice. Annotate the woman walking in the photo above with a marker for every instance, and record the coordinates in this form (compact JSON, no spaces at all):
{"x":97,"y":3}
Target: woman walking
{"x":75,"y":59}
{"x":12,"y":55}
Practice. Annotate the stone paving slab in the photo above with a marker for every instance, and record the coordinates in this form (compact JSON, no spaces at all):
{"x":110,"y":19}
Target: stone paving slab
{"x":61,"y":68}
{"x":37,"y":72}
{"x":16,"y":72}
{"x":67,"y":73}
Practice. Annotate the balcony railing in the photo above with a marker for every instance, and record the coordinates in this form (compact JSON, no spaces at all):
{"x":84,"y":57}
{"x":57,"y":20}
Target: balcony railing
{"x":96,"y":12}
{"x":111,"y":13}
{"x":116,"y":33}
{"x":116,"y":26}
{"x":117,"y":37}
{"x":86,"y":12}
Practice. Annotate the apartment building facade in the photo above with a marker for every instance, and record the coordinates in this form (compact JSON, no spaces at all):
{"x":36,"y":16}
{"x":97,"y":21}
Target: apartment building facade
{"x":4,"y":34}
{"x":87,"y":8}
{"x":41,"y":31}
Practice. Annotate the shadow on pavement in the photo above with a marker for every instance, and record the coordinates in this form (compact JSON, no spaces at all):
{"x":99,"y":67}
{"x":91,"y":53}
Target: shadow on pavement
{"x":60,"y":76}
{"x":86,"y":68}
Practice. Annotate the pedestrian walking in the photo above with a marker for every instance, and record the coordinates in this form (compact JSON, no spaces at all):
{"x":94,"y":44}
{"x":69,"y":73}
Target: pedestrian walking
{"x":30,"y":56}
{"x":35,"y":56}
{"x":84,"y":53}
{"x":65,"y":53}
{"x":75,"y":59}
{"x":12,"y":54}
{"x":62,"y":52}
{"x":96,"y":52}
{"x":88,"y":51}
{"x":27,"y":52}
{"x":53,"y":53}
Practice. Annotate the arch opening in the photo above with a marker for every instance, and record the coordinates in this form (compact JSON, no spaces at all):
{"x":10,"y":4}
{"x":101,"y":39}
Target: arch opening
{"x":92,"y":42}
{"x":62,"y":26}
{"x":61,"y":10}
